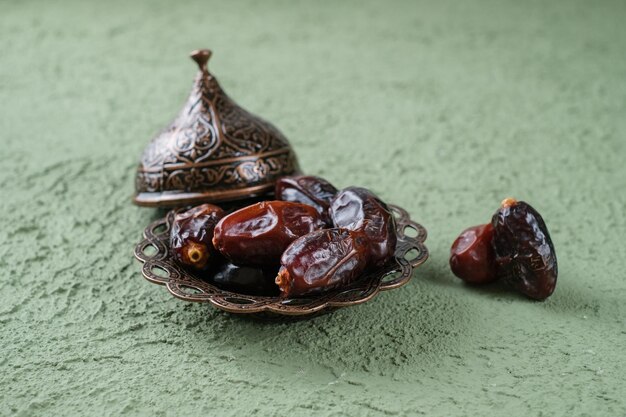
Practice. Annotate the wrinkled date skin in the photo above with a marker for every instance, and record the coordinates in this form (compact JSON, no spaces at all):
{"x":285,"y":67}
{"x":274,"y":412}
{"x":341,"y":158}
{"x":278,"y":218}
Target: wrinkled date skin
{"x":360,"y":210}
{"x":259,"y":234}
{"x":472,"y":257}
{"x":246,"y":279}
{"x":321,"y":261}
{"x":191,"y":235}
{"x":525,"y":256}
{"x":314,"y":191}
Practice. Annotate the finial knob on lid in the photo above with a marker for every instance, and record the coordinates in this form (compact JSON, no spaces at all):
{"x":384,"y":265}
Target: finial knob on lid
{"x":201,"y":56}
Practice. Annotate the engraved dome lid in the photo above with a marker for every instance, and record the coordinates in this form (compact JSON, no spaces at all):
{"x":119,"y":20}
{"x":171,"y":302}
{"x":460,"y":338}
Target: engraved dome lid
{"x":214,"y":151}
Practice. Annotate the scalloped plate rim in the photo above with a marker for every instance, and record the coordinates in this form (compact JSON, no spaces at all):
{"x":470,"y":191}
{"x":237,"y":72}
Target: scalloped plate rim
{"x":416,"y":242}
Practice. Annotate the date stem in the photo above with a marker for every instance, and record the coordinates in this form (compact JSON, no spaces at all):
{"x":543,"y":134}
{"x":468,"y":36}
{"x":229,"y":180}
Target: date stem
{"x":508,"y":202}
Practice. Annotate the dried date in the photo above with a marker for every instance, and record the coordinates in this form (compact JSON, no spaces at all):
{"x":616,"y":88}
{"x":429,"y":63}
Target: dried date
{"x":360,"y":210}
{"x":258,"y":234}
{"x":525,"y":257}
{"x":321,"y":261}
{"x":472,"y":257}
{"x":191,"y":235}
{"x":305,"y":189}
{"x":246,"y":279}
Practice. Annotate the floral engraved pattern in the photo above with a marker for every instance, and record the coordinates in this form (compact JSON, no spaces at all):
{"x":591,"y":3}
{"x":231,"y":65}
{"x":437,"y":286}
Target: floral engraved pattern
{"x":249,"y":171}
{"x":213,"y":144}
{"x":193,"y":178}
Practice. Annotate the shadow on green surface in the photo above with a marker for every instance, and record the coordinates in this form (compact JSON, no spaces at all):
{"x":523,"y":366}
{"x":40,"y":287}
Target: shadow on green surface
{"x":568,"y":296}
{"x":399,"y":327}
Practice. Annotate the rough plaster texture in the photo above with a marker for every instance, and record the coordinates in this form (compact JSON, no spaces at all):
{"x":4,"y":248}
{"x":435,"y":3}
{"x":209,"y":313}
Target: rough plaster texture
{"x":442,"y":107}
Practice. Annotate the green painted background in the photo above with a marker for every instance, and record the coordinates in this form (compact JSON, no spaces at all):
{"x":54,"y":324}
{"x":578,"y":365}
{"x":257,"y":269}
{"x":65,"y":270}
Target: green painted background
{"x":443,"y":107}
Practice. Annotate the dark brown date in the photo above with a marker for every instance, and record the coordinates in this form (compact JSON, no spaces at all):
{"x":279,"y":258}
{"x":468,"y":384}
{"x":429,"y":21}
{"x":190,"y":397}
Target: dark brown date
{"x":472,"y":257}
{"x":259,"y":234}
{"x":191,"y":235}
{"x":246,"y":279}
{"x":525,"y":256}
{"x":305,"y":189}
{"x":321,"y":261}
{"x":360,"y":210}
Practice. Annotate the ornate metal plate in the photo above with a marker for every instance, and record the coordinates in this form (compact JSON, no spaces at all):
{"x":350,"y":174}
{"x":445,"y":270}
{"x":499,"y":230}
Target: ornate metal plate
{"x":159,"y":267}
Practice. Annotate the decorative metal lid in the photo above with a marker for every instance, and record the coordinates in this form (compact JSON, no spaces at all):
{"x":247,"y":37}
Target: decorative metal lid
{"x":214,"y":151}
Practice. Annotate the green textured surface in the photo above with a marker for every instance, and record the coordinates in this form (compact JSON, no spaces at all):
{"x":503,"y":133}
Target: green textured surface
{"x":442,"y":107}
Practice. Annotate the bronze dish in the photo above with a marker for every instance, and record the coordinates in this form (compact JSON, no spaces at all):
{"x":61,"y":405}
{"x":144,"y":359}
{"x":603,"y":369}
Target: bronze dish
{"x":159,"y":267}
{"x":214,"y":151}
